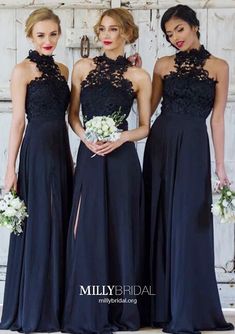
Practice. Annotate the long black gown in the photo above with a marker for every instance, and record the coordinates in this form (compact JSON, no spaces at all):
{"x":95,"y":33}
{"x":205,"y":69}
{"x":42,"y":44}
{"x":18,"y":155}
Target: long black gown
{"x":107,"y":248}
{"x":34,"y":290}
{"x":178,"y":202}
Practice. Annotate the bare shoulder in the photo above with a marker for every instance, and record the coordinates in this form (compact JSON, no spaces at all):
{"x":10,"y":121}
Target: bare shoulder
{"x":21,"y":72}
{"x":164,"y":62}
{"x":219,"y":64}
{"x":84,"y":63}
{"x":63,"y":70}
{"x":139,"y":73}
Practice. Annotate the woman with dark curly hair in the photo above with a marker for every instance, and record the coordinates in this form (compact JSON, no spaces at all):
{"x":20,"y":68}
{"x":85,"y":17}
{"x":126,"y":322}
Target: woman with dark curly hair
{"x":191,"y":83}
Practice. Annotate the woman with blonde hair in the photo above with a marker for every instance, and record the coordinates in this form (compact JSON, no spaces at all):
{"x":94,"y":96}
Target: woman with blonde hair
{"x":33,"y":298}
{"x":106,"y":231}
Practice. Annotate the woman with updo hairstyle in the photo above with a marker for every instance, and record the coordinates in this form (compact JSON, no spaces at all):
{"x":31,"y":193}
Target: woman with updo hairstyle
{"x":34,"y":289}
{"x":106,"y":237}
{"x":177,"y":173}
{"x":125,"y":21}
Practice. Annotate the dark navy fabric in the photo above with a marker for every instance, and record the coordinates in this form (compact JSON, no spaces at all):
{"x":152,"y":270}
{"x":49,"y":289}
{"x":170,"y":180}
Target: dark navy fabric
{"x":34,"y":290}
{"x":178,"y":203}
{"x":108,"y":246}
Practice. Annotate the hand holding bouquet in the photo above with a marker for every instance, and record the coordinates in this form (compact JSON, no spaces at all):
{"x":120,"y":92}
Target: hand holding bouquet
{"x":225,"y":206}
{"x":104,"y":128}
{"x":12,"y":212}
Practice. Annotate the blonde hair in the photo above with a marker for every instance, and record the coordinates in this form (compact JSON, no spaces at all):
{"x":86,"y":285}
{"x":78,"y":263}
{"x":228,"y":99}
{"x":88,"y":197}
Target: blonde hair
{"x":124,"y":19}
{"x":40,"y":14}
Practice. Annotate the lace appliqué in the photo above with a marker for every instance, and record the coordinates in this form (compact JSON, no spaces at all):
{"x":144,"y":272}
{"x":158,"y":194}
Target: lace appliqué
{"x":47,"y":95}
{"x":46,"y":65}
{"x":109,"y":71}
{"x":191,"y":63}
{"x":189,"y":90}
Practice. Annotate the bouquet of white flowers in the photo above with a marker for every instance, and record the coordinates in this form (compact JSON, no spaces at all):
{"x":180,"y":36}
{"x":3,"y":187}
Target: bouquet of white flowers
{"x":104,"y":128}
{"x":12,"y":212}
{"x":225,"y":206}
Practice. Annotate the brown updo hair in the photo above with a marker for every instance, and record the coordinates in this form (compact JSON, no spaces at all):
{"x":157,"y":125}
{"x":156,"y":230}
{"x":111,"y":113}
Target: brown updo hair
{"x":124,"y":19}
{"x":40,"y":14}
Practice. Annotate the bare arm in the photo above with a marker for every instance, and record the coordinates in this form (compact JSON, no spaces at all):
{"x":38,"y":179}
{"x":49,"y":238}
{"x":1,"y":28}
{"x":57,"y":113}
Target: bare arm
{"x":143,"y":102}
{"x":18,"y":93}
{"x":217,"y":120}
{"x":73,"y":117}
{"x":63,"y":70}
{"x":157,"y":86}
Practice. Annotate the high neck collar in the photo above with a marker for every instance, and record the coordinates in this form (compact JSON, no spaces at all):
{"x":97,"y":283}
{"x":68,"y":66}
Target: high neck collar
{"x":193,"y":55}
{"x":120,"y":60}
{"x":40,"y":59}
{"x":45,"y":64}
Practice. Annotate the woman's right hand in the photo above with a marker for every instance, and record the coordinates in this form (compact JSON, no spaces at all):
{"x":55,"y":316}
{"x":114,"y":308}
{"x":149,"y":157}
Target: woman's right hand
{"x":10,"y":180}
{"x":222,"y":177}
{"x":93,"y":147}
{"x":136,"y":60}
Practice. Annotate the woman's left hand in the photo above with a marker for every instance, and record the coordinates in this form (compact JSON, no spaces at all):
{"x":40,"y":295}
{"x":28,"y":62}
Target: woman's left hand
{"x":109,"y":146}
{"x":222,"y":176}
{"x":136,"y":60}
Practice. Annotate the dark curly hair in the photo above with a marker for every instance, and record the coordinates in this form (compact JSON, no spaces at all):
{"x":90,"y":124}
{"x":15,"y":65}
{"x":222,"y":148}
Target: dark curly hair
{"x":183,"y":12}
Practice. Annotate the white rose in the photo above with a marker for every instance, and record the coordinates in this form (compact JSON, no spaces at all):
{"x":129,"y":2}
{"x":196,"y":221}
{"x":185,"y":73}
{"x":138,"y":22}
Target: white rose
{"x":3,"y":206}
{"x":229,"y":193}
{"x":105,"y":127}
{"x":113,"y":128}
{"x":9,"y":212}
{"x":216,"y":210}
{"x":98,"y":118}
{"x":16,"y":203}
{"x":98,"y":125}
{"x":225,"y":203}
{"x":91,"y":129}
{"x":110,"y":121}
{"x":8,"y":197}
{"x":227,"y":216}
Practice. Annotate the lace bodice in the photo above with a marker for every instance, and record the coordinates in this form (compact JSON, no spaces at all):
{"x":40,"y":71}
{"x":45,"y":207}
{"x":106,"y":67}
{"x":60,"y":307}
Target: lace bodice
{"x":105,"y":89}
{"x":47,"y":95}
{"x":189,"y":90}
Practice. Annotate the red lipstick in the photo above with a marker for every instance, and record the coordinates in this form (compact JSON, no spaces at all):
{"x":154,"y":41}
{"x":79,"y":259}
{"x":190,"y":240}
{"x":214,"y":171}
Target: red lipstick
{"x":107,"y":42}
{"x":179,"y":44}
{"x":47,"y":48}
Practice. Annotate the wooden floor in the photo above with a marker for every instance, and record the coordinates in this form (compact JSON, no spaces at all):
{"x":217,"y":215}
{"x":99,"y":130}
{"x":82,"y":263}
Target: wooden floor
{"x":229,"y":315}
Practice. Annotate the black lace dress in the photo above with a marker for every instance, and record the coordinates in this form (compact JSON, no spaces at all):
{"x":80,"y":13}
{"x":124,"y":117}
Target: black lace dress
{"x":34,"y":290}
{"x":107,"y":208}
{"x":178,"y":202}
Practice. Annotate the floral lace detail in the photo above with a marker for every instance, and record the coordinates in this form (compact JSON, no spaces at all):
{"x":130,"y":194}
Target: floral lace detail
{"x":105,"y":90}
{"x":47,"y":96}
{"x":189,"y":90}
{"x":46,"y":65}
{"x":110,"y":70}
{"x":191,"y":63}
